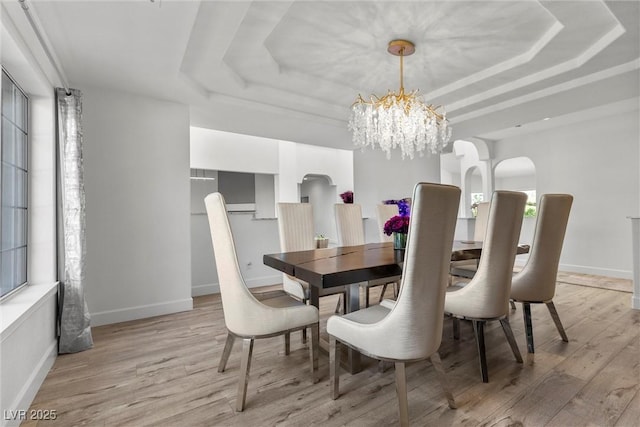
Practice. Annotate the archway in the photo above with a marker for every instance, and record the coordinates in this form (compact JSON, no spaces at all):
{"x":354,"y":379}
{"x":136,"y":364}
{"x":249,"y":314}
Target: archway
{"x":474,"y":189}
{"x":518,"y":174}
{"x":320,"y":192}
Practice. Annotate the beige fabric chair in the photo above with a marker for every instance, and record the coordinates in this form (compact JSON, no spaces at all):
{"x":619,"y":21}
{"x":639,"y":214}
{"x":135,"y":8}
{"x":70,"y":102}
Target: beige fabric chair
{"x":296,"y":230}
{"x":536,"y":283}
{"x":412,"y":329}
{"x":482,"y":218}
{"x":245,"y":317}
{"x":486,"y":296}
{"x":351,"y":233}
{"x":468,"y":268}
{"x":384,"y":212}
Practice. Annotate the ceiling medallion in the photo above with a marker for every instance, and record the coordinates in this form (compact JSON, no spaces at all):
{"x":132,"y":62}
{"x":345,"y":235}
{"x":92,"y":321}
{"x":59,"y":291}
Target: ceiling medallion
{"x":399,"y":119}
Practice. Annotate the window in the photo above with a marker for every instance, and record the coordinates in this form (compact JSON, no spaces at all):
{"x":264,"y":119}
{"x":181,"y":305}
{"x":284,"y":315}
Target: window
{"x":475,"y":199}
{"x":13,"y":187}
{"x":530,"y":209}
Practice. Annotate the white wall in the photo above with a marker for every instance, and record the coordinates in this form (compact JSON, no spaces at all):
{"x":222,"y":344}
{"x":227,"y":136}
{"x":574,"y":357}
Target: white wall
{"x":256,"y":235}
{"x":265,"y":196}
{"x":254,"y":238}
{"x":136,"y":162}
{"x":516,"y":183}
{"x":378,"y":178}
{"x":28,"y":341}
{"x":224,"y":151}
{"x":310,"y":159}
{"x":597,"y":162}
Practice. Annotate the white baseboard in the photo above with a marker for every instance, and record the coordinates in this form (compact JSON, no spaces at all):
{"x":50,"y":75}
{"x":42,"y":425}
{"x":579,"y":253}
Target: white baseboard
{"x":31,"y":387}
{"x":140,"y":312}
{"x":214,"y":288}
{"x":264,"y":281}
{"x":635,"y":302}
{"x":598,"y":271}
{"x":208,"y":289}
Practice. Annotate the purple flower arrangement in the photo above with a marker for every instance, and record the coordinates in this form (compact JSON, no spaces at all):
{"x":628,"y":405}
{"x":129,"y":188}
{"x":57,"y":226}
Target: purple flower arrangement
{"x":398,"y":223}
{"x":347,"y":197}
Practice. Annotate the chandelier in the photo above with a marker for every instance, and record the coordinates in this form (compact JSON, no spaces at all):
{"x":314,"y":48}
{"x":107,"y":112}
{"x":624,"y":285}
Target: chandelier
{"x":399,"y":119}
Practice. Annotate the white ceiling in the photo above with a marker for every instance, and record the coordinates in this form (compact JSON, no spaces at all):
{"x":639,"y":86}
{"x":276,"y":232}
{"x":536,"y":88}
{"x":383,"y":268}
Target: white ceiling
{"x":291,"y":69}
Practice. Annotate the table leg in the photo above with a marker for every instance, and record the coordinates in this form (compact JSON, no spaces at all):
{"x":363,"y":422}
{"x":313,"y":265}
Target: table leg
{"x":353,"y":304}
{"x":353,"y":365}
{"x":314,"y":296}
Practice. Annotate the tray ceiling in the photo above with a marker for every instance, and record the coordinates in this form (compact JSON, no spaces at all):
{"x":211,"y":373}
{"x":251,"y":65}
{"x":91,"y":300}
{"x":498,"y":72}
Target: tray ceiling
{"x":290,"y":69}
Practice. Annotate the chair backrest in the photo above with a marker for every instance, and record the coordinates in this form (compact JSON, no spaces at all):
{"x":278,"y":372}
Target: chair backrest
{"x":482,"y":216}
{"x":296,"y":230}
{"x":296,"y":227}
{"x":241,"y":309}
{"x":537,"y":280}
{"x":413,"y":328}
{"x":349,"y":224}
{"x":384,"y":212}
{"x":487,"y":294}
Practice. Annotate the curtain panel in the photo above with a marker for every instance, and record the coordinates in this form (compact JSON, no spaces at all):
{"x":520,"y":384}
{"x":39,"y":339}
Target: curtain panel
{"x":73,"y":315}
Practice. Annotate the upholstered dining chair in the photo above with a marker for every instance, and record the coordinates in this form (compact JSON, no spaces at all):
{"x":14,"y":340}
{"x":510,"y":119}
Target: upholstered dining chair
{"x":351,"y":233}
{"x":536,"y":282}
{"x":383,"y":213}
{"x":468,"y":268}
{"x":412,"y":329}
{"x":296,"y":230}
{"x":245,"y":317}
{"x":486,"y":296}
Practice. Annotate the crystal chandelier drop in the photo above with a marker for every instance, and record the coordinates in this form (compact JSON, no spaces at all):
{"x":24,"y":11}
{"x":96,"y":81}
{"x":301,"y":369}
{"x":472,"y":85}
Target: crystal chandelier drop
{"x":399,"y":119}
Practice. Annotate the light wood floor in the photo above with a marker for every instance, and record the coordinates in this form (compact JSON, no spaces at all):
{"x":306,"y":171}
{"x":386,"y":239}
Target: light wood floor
{"x":163,"y":372}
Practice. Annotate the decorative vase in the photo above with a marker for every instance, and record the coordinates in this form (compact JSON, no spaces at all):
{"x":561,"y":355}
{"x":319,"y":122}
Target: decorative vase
{"x":322,"y":243}
{"x":399,"y":240}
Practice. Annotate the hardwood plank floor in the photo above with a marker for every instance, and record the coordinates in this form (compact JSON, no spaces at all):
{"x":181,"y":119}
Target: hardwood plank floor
{"x":163,"y":372}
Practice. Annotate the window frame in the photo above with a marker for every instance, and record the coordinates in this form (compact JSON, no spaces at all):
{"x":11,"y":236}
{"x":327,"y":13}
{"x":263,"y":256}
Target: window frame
{"x":25,"y":187}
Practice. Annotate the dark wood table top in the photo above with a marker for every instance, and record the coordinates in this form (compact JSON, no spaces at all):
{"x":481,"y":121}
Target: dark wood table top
{"x":326,"y":268}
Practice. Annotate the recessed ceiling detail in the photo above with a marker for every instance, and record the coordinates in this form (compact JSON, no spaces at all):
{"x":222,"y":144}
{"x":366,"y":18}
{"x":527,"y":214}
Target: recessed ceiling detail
{"x":286,"y":64}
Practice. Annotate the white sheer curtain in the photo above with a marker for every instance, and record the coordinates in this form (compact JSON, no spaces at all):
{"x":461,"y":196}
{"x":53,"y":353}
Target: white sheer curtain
{"x":74,"y":319}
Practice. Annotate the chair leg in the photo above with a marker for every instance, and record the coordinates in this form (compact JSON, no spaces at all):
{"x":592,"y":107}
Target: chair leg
{"x":456,"y":328}
{"x":287,"y":343}
{"x":313,"y":351}
{"x":384,"y":289}
{"x":528,"y":326}
{"x":512,"y":304}
{"x":228,"y":345}
{"x":245,"y":367}
{"x":442,"y":379}
{"x":506,"y":327}
{"x":396,"y":289}
{"x":478,"y":330}
{"x":366,"y":296}
{"x":337,"y":310}
{"x":344,"y":303}
{"x":556,"y":320}
{"x":304,"y":330}
{"x":401,"y":390}
{"x":334,"y":367}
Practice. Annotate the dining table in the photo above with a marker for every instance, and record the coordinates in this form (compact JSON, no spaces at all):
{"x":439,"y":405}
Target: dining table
{"x":350,"y":265}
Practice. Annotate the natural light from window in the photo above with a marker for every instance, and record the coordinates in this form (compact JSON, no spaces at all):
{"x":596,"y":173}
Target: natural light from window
{"x":13,"y":187}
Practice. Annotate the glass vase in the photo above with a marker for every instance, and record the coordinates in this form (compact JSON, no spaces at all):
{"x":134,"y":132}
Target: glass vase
{"x":399,"y":240}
